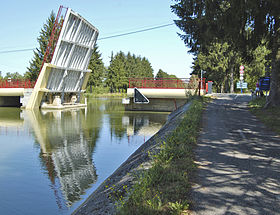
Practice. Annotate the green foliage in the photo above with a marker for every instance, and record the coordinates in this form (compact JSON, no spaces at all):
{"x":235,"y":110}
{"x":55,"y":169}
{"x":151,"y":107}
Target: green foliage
{"x":243,"y":24}
{"x":218,"y":61}
{"x":117,"y":76}
{"x":97,"y":90}
{"x":266,"y":115}
{"x":96,"y":65}
{"x":13,"y":76}
{"x":36,"y":63}
{"x":257,"y":67}
{"x":122,"y":67}
{"x":163,"y":189}
{"x":162,"y":75}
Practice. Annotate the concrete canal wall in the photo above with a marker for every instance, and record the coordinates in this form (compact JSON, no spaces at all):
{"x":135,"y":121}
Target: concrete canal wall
{"x":160,"y":99}
{"x":100,"y":201}
{"x":156,"y":104}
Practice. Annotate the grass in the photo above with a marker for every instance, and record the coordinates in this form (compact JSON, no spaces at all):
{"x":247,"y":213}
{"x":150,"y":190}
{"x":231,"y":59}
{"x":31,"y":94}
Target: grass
{"x":106,"y":95}
{"x":102,"y":91}
{"x":268,"y":116}
{"x":164,"y":188}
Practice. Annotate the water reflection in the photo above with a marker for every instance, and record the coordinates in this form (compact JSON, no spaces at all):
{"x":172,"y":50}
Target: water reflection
{"x":66,"y":150}
{"x":72,"y":147}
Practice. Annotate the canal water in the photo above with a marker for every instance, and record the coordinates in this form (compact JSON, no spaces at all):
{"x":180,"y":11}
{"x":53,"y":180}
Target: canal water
{"x":51,"y":161}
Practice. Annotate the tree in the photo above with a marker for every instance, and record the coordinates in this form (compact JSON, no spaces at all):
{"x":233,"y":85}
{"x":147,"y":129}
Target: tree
{"x":122,"y":67}
{"x":259,"y":64}
{"x":221,"y":65}
{"x":146,"y":68}
{"x":161,"y":75}
{"x":36,"y":63}
{"x":13,"y":76}
{"x":117,"y":74}
{"x":243,"y":23}
{"x":97,"y":66}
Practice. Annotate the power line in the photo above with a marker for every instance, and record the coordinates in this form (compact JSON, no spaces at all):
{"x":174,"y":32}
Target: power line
{"x":135,"y":32}
{"x":16,"y":50}
{"x":103,"y":38}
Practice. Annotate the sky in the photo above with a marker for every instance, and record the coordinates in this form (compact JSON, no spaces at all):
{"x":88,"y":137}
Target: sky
{"x":21,"y":22}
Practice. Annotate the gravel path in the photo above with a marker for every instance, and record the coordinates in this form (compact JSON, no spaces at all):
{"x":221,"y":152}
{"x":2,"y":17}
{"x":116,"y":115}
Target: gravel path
{"x":239,"y":161}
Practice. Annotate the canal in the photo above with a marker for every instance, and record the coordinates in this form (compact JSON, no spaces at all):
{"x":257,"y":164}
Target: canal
{"x":51,"y":161}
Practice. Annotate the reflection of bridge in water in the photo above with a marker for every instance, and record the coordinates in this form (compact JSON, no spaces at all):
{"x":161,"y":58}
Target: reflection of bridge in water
{"x":67,"y":140}
{"x":65,"y":150}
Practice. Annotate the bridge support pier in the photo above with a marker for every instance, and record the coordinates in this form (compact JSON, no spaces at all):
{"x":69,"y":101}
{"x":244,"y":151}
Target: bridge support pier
{"x":156,"y":104}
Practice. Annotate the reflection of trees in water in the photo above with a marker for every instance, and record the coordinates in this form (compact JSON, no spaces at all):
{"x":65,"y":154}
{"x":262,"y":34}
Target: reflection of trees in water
{"x":116,"y":127}
{"x":139,"y":120}
{"x":115,"y":109}
{"x":67,"y":140}
{"x":113,"y":105}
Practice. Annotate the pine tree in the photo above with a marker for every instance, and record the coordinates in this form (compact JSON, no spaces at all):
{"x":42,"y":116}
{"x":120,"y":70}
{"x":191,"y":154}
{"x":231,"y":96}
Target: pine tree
{"x":147,"y":70}
{"x":122,"y":67}
{"x":117,"y":75}
{"x":36,"y":63}
{"x":244,"y":24}
{"x":97,"y":66}
{"x":161,"y":75}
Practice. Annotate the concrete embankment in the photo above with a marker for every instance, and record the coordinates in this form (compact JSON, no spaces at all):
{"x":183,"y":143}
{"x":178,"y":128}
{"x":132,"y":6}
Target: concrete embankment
{"x":101,"y":200}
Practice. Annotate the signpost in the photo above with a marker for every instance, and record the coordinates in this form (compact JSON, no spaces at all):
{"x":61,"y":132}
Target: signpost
{"x":241,"y":71}
{"x":139,"y":97}
{"x":241,"y":85}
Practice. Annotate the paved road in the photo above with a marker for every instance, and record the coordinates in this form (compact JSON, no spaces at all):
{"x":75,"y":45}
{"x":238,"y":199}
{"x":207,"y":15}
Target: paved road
{"x":239,"y":162}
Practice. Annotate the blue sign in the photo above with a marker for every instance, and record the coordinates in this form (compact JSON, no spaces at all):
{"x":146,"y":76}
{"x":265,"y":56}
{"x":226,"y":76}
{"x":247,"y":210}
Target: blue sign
{"x":264,"y":83}
{"x":242,"y":85}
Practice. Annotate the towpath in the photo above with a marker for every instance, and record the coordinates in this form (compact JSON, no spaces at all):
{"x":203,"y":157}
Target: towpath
{"x":239,"y":161}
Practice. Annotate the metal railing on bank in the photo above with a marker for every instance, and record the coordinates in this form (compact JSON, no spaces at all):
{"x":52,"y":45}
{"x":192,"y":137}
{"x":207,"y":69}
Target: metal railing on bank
{"x":17,"y":84}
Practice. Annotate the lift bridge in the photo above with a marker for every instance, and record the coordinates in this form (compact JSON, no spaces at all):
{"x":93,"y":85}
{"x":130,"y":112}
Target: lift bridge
{"x":64,"y":72}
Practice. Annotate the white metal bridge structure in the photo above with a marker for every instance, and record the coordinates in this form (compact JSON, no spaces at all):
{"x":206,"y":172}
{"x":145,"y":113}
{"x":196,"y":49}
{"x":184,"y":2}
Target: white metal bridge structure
{"x":62,"y":82}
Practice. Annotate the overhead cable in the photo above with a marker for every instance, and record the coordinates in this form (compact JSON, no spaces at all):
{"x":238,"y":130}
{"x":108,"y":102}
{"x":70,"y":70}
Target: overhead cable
{"x":103,"y":38}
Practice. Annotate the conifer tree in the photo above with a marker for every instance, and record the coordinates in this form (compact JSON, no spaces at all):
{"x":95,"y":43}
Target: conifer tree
{"x":161,"y":75}
{"x":36,"y":63}
{"x":122,"y":67}
{"x":116,"y":73}
{"x":146,"y":68}
{"x":243,"y":24}
{"x":97,"y":66}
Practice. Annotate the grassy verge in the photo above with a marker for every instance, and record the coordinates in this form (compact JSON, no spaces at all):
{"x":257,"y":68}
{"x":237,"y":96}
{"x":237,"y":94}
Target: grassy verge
{"x":106,"y":95}
{"x":164,"y":188}
{"x":268,"y":116}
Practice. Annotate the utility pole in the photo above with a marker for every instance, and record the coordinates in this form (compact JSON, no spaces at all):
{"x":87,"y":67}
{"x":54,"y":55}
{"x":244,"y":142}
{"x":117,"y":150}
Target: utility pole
{"x":201,"y":80}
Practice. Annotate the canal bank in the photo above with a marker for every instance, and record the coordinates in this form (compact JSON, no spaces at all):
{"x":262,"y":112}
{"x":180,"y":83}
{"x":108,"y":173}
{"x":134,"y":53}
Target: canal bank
{"x":105,"y":199}
{"x":52,"y":160}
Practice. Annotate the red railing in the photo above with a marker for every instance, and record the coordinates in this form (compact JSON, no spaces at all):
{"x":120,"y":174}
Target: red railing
{"x":17,"y":84}
{"x":166,"y":83}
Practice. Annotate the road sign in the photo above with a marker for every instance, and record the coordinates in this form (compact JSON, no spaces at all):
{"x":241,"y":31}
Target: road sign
{"x":241,"y":67}
{"x":244,"y":85}
{"x":264,"y":83}
{"x":139,"y":97}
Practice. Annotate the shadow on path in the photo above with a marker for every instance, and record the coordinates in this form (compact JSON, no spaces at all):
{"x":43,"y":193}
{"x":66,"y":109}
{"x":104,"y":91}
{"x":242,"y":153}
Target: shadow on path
{"x":239,"y":161}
